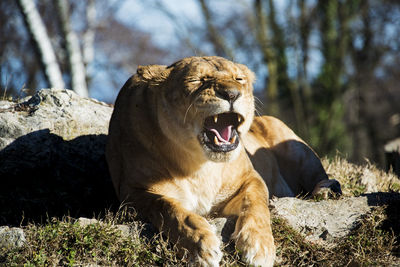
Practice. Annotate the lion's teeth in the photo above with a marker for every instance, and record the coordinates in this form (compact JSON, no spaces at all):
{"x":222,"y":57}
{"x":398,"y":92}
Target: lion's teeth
{"x":216,"y":141}
{"x":233,"y":139}
{"x":215,"y":118}
{"x":239,"y":118}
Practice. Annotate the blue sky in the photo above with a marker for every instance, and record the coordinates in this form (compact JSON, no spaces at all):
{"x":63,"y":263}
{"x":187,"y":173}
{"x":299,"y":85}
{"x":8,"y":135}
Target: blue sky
{"x":146,"y":16}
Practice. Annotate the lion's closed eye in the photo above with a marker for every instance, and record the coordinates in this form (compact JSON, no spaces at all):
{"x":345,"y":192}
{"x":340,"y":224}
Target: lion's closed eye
{"x":194,"y":81}
{"x":241,"y":79}
{"x":200,"y":80}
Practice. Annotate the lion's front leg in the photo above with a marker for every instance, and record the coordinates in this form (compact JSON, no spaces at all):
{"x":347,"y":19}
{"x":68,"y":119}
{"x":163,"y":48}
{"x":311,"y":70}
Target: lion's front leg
{"x":253,"y":234}
{"x":187,"y":229}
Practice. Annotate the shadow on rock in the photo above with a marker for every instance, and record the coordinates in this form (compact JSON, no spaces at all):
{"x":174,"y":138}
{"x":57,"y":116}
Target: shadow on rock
{"x":44,"y":176}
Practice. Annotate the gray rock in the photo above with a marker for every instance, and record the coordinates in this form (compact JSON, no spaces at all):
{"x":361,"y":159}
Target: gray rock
{"x":11,"y":237}
{"x":61,"y":112}
{"x":369,"y":180}
{"x":321,"y":221}
{"x":125,"y":230}
{"x":52,"y":157}
{"x":86,"y":221}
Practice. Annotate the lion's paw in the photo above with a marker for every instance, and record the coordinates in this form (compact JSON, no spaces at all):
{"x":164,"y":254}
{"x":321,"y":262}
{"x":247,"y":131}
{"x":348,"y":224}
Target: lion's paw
{"x":326,"y":189}
{"x":257,"y":248}
{"x":208,"y":252}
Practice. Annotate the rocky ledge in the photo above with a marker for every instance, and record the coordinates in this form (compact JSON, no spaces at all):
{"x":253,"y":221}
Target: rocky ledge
{"x":52,"y":164}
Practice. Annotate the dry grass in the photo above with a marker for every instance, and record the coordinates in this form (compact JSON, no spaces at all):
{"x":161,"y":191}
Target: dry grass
{"x":66,"y":242}
{"x":367,"y":245}
{"x":360,"y":179}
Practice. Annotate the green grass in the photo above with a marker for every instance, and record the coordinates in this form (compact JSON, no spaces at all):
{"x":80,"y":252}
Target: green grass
{"x":66,"y":242}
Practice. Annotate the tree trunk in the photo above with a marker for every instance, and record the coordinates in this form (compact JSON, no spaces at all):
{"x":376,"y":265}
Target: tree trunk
{"x":305,"y":27}
{"x":269,"y":58}
{"x":89,"y":35}
{"x":42,"y":43}
{"x":286,"y":86}
{"x":329,"y":129}
{"x":220,"y":46}
{"x":74,"y":55}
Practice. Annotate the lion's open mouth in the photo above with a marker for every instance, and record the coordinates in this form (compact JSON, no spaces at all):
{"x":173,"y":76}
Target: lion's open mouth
{"x":220,"y":131}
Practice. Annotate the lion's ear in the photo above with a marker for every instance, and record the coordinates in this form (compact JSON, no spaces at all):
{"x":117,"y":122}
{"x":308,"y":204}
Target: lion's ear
{"x":250,"y":76}
{"x":152,"y":73}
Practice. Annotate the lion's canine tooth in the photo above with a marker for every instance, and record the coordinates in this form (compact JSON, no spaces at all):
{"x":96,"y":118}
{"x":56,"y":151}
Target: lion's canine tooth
{"x":239,"y":118}
{"x":233,"y":139}
{"x":216,"y":141}
{"x":215,"y":118}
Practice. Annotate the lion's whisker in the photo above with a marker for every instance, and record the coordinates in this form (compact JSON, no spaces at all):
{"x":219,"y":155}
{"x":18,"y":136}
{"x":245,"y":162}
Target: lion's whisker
{"x":259,"y":100}
{"x":257,"y":112}
{"x":187,"y":110}
{"x":191,"y":104}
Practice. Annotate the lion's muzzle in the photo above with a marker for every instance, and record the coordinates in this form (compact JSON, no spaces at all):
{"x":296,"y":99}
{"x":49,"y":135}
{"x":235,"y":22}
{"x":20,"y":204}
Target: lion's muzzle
{"x":220,"y":131}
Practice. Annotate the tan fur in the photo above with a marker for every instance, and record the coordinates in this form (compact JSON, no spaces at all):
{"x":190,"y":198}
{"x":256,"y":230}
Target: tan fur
{"x":160,"y":164}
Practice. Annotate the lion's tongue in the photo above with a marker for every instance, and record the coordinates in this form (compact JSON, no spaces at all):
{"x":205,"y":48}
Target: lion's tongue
{"x":223,"y":134}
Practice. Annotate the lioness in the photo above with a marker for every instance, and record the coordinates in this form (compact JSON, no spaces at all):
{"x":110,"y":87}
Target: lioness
{"x":183,"y":143}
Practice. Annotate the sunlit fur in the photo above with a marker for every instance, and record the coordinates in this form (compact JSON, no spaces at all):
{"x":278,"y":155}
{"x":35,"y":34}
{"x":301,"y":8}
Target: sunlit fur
{"x":161,"y":166}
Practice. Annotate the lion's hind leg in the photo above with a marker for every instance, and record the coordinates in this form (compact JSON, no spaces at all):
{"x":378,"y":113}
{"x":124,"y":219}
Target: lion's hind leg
{"x":298,"y":164}
{"x":328,"y":188}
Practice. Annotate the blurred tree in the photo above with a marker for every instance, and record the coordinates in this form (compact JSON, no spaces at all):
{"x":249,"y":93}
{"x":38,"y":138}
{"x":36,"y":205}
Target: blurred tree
{"x":330,"y":69}
{"x":270,"y":56}
{"x":14,"y":76}
{"x":215,"y":38}
{"x":42,"y":42}
{"x":374,"y":88}
{"x":316,"y":58}
{"x":328,"y":129}
{"x":89,"y":34}
{"x":96,"y":49}
{"x":73,"y":50}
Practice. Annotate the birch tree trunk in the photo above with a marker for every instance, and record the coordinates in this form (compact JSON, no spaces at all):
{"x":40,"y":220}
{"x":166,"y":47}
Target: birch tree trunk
{"x":74,"y":54}
{"x":42,"y":42}
{"x":89,"y":35}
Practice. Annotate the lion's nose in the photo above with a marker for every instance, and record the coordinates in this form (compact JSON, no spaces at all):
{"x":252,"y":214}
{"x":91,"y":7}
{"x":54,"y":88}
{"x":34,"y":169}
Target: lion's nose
{"x":231,"y":95}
